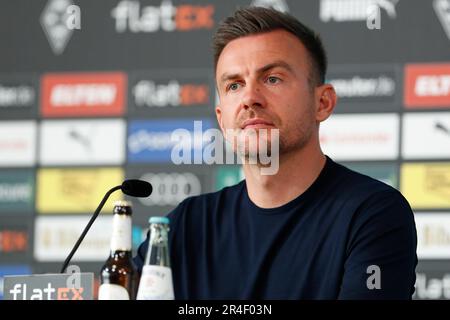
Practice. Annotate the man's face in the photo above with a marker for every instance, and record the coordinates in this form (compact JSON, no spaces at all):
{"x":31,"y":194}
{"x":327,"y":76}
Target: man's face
{"x":263,"y":84}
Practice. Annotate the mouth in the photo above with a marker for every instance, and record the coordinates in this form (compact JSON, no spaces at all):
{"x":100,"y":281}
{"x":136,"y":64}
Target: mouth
{"x":256,"y":124}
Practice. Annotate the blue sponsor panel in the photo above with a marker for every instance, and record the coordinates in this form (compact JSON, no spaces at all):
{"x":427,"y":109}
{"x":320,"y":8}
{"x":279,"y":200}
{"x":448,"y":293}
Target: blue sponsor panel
{"x":152,"y":141}
{"x":12,"y":270}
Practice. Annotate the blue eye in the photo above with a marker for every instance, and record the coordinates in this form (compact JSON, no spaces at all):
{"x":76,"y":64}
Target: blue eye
{"x":233,"y":86}
{"x":273,"y":80}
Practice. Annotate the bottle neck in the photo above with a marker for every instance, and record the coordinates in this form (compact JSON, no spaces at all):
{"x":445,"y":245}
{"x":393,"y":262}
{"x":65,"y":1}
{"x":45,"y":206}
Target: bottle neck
{"x":158,"y":251}
{"x":121,"y":254}
{"x":121,"y":234}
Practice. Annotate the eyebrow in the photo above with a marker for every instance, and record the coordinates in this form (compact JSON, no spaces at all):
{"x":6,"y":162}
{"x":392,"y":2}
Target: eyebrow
{"x":267,"y":67}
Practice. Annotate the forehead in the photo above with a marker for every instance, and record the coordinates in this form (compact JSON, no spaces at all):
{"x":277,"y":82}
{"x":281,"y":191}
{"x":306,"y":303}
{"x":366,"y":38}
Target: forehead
{"x":247,"y":54}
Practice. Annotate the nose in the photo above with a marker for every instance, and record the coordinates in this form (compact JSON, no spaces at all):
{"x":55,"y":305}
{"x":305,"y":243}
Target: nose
{"x":253,"y":97}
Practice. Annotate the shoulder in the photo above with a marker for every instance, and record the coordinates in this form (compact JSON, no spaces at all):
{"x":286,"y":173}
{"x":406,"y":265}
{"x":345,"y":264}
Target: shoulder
{"x":371,"y":199}
{"x":357,"y":182}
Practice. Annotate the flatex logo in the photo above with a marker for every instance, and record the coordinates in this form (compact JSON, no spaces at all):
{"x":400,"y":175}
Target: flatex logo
{"x":442,"y":9}
{"x":47,"y":293}
{"x":76,"y":286}
{"x":432,"y":287}
{"x":7,"y":270}
{"x":149,"y":93}
{"x":354,"y":10}
{"x":130,"y":16}
{"x":58,"y":20}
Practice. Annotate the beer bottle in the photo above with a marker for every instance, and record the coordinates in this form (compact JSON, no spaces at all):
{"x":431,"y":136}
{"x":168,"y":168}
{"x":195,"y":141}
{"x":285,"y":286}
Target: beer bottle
{"x":156,"y":279}
{"x":119,"y":276}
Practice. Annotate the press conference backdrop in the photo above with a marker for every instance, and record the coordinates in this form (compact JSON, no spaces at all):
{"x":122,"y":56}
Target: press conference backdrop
{"x":89,"y":96}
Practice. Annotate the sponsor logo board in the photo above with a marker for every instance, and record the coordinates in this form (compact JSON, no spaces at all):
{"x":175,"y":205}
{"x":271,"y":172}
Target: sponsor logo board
{"x":17,"y":143}
{"x":76,"y":190}
{"x":55,"y":236}
{"x":433,"y":235}
{"x":16,"y":191}
{"x":427,"y":85}
{"x":426,"y":135}
{"x":82,"y":142}
{"x":361,"y":136}
{"x":150,"y":141}
{"x":426,"y":185}
{"x":83,"y":94}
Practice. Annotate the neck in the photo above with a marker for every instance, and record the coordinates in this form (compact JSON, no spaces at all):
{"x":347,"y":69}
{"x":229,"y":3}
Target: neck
{"x":297,"y":172}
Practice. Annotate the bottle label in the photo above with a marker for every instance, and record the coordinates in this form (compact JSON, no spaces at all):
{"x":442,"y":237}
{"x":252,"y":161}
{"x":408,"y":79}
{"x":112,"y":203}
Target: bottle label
{"x":156,"y":283}
{"x":121,"y":235}
{"x":109,"y":291}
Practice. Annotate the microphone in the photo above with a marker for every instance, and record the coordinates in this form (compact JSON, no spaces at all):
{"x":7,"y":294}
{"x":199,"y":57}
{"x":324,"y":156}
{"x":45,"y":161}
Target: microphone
{"x":137,"y":188}
{"x":132,"y":187}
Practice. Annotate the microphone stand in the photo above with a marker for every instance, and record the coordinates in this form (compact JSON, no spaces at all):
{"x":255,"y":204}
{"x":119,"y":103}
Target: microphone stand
{"x":88,"y":226}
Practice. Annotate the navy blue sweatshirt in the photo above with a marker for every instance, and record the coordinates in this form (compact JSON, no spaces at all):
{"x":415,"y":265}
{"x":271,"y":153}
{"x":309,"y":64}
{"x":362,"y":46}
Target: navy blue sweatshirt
{"x":348,"y":236}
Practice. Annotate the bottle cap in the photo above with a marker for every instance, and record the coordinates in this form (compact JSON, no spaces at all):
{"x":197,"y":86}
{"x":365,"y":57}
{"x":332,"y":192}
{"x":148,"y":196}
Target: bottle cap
{"x":122,"y":203}
{"x":163,"y":220}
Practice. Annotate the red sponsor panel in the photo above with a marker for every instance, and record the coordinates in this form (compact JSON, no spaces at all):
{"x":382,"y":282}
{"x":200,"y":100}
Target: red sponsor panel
{"x":83,"y":94}
{"x":427,"y":85}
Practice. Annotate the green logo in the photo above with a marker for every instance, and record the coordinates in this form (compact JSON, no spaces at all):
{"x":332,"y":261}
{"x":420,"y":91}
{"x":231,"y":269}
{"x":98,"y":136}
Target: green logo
{"x":386,"y":173}
{"x":17,"y":191}
{"x":228,"y":176}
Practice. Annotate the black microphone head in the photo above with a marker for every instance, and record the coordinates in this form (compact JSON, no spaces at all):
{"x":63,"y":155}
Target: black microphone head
{"x":137,"y":188}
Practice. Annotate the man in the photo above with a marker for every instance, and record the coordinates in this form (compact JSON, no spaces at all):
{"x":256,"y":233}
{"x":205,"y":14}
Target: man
{"x":312,"y":230}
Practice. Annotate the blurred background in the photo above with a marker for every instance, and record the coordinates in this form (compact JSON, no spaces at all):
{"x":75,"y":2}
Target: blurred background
{"x":90,"y":92}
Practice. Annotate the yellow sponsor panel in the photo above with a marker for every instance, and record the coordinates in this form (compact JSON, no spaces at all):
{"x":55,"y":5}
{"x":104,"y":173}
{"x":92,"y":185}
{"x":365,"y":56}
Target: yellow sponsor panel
{"x":76,"y":190}
{"x":426,"y":185}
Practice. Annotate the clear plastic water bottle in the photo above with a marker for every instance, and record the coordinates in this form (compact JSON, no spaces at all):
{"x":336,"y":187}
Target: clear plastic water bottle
{"x":156,"y":279}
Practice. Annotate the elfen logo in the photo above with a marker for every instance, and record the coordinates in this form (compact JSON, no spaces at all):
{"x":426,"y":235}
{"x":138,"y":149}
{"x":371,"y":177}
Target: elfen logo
{"x":147,"y":93}
{"x":130,"y":16}
{"x":83,"y":94}
{"x":427,"y":85}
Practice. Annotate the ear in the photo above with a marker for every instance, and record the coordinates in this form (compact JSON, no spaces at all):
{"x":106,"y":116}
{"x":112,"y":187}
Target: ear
{"x":326,"y":100}
{"x":219,"y":117}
